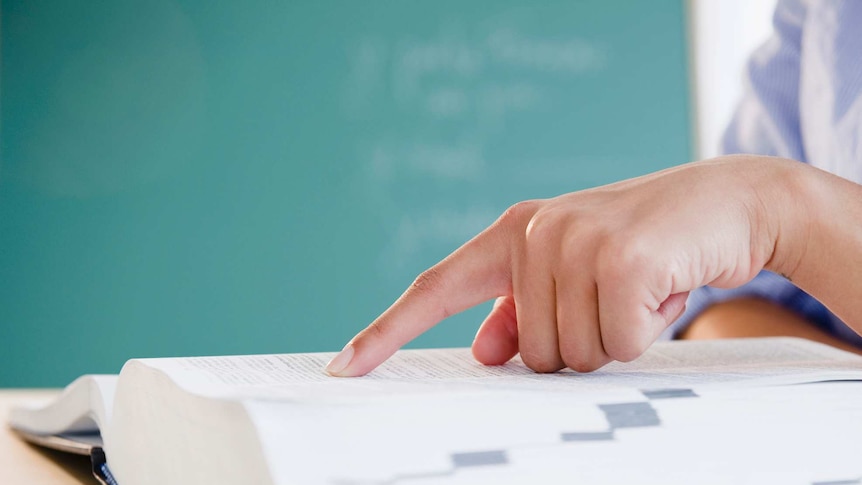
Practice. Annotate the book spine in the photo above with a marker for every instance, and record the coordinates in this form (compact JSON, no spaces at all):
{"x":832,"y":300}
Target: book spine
{"x":100,"y":467}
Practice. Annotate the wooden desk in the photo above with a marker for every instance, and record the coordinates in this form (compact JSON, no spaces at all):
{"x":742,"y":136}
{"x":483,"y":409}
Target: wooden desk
{"x":24,"y":463}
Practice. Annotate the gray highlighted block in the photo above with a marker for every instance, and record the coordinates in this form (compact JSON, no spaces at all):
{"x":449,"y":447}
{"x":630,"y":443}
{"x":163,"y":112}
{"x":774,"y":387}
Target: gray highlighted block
{"x":630,"y":415}
{"x":839,"y":482}
{"x":479,"y":458}
{"x":668,"y":393}
{"x":591,"y":436}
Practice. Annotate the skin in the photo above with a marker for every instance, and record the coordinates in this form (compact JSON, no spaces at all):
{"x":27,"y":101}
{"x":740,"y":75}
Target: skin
{"x":755,"y":317}
{"x":594,"y":276}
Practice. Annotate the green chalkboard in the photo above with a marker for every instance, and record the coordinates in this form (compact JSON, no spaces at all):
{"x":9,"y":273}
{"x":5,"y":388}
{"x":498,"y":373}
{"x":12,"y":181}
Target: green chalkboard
{"x":186,"y":177}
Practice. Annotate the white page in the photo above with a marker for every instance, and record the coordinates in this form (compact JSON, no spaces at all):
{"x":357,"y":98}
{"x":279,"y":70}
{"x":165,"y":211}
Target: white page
{"x":425,"y":416}
{"x":783,"y":435}
{"x":412,"y":437}
{"x":85,"y":405}
{"x":786,"y":434}
{"x":300,"y":377}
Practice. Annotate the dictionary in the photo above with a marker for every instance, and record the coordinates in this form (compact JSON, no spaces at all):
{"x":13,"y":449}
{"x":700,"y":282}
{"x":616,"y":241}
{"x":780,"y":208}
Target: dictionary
{"x":719,"y":411}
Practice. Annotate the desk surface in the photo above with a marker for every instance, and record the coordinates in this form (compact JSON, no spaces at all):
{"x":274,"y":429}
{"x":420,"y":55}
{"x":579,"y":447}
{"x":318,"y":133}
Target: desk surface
{"x":24,"y":463}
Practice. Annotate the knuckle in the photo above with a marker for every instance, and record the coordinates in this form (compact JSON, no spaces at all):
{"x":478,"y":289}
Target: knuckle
{"x":541,"y":363}
{"x":580,"y":361}
{"x":378,"y":329}
{"x":541,"y":229}
{"x":584,"y":366}
{"x":520,"y":212}
{"x":624,"y":254}
{"x":637,"y":252}
{"x":573,"y":245}
{"x":430,"y":285}
{"x":429,"y":281}
{"x":624,"y":350}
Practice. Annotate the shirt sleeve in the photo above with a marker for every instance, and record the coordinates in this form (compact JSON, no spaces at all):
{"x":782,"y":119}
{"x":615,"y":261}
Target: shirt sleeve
{"x":766,"y":122}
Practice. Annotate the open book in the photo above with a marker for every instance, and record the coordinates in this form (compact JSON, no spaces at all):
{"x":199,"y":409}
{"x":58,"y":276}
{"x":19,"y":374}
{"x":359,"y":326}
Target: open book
{"x":728,"y":408}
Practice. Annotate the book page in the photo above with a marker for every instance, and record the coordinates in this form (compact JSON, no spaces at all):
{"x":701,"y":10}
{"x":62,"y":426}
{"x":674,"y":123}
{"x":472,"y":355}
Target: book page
{"x":802,"y":434}
{"x":665,"y":365}
{"x":437,"y":416}
{"x":84,"y":406}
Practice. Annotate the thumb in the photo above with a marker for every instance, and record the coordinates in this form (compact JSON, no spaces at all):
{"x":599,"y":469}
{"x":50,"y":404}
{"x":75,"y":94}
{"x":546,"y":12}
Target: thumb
{"x":497,"y":339}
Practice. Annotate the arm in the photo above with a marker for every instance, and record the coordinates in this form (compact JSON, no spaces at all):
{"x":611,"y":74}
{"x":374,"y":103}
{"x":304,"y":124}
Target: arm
{"x":768,"y":306}
{"x":821,"y":251}
{"x":594,"y":276}
{"x":757,"y":317}
{"x":765,"y":122}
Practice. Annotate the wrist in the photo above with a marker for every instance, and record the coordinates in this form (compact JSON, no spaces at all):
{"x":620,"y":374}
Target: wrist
{"x":796,"y":195}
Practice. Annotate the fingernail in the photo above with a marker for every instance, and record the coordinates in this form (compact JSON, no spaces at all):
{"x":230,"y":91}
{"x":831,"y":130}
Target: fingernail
{"x":340,"y":361}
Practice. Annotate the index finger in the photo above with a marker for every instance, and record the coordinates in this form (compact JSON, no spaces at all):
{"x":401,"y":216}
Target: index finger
{"x":476,"y":272}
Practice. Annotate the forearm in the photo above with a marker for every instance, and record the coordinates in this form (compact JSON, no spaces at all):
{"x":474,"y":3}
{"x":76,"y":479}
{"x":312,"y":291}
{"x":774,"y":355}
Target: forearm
{"x":818,"y":241}
{"x":757,"y":317}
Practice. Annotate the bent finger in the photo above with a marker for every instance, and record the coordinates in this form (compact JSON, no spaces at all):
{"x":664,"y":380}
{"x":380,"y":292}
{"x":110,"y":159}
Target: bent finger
{"x":634,"y":310}
{"x":496,"y":341}
{"x":578,"y":321}
{"x":536,"y":308}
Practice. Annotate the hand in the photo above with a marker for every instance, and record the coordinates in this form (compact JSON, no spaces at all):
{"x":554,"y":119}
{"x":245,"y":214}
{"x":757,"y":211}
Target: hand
{"x":594,"y":276}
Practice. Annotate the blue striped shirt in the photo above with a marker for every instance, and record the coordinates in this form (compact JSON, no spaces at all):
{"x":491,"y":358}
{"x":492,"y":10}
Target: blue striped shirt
{"x":802,"y":100}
